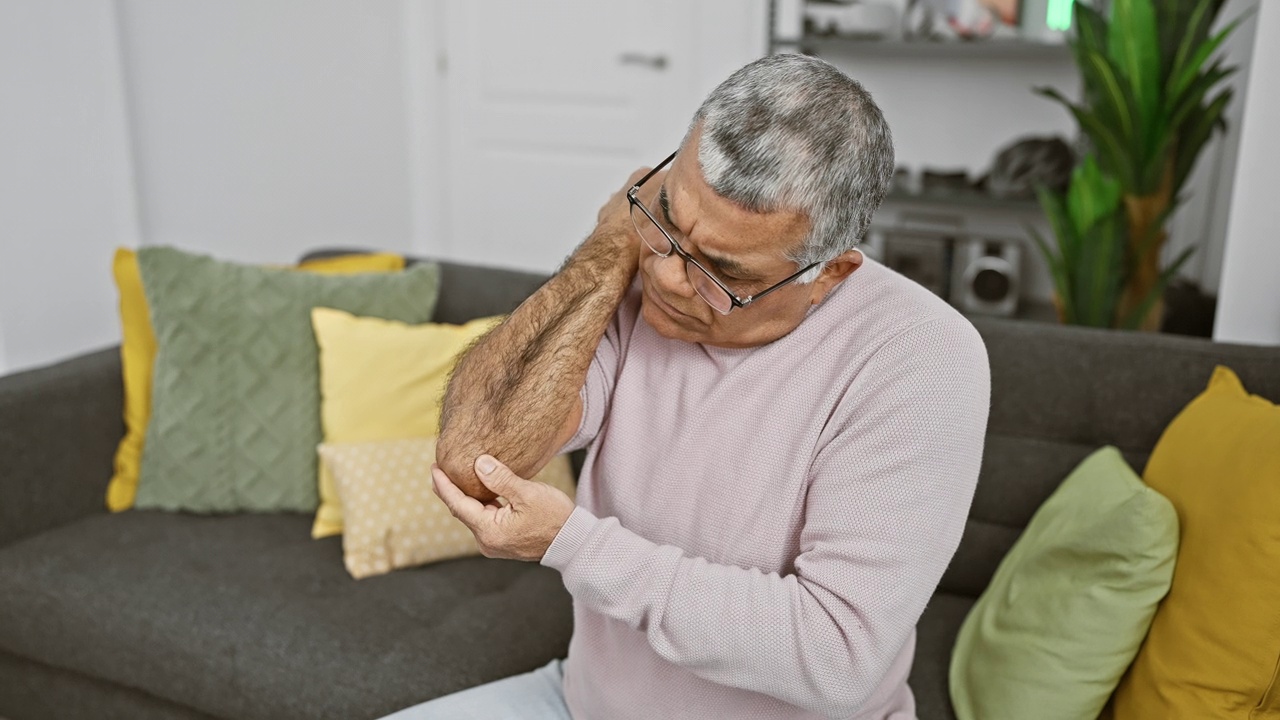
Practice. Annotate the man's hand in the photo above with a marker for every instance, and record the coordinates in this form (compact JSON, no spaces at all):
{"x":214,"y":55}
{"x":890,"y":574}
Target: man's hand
{"x":613,"y":222}
{"x":523,"y":528}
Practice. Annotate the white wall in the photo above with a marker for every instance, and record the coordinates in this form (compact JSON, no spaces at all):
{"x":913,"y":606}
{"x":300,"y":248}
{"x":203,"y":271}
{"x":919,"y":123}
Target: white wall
{"x":956,"y":112}
{"x":1249,"y":304}
{"x":248,"y":130}
{"x":65,"y":178}
{"x":266,"y":129}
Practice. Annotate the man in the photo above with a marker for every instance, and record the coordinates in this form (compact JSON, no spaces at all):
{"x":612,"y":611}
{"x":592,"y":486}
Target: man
{"x":784,"y":436}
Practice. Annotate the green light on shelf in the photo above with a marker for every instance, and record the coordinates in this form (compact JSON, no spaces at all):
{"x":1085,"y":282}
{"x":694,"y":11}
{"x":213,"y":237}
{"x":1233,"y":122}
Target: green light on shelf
{"x":1058,"y":15}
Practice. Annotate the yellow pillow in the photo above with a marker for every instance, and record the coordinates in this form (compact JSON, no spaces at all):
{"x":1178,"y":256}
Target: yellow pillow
{"x":1213,"y":647}
{"x":393,"y":518}
{"x":381,"y":380}
{"x":138,"y":354}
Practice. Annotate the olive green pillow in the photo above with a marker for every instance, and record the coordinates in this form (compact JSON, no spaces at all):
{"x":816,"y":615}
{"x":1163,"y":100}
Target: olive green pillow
{"x":235,"y":416}
{"x":1068,"y":607}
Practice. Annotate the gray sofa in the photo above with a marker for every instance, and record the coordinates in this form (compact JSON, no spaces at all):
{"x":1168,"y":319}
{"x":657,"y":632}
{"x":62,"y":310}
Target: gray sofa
{"x":145,"y":615}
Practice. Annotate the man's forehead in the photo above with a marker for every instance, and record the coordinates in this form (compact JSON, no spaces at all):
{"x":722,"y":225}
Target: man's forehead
{"x":738,"y":239}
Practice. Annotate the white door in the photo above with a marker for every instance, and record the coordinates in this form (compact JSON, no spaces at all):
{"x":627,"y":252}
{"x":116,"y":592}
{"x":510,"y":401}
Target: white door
{"x":551,"y":104}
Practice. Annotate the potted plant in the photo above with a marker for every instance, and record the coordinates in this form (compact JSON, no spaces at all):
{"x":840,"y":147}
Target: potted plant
{"x":1152,"y":98}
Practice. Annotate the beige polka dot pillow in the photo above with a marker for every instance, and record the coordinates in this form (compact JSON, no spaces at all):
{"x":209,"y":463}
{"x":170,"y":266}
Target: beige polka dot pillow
{"x":393,"y":518}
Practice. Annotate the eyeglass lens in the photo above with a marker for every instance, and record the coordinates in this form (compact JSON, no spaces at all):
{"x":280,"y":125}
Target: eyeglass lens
{"x":707,"y":289}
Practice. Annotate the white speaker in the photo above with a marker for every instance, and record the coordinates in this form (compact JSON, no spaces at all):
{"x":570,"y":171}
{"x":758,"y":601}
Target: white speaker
{"x":986,"y":275}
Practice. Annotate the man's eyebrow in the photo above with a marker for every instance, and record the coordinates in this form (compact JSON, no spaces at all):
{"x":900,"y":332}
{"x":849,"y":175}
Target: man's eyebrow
{"x":719,"y":263}
{"x":730,"y":266}
{"x":665,"y":203}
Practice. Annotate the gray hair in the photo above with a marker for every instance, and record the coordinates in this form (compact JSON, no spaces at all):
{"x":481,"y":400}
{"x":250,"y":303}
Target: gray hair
{"x":791,"y":132}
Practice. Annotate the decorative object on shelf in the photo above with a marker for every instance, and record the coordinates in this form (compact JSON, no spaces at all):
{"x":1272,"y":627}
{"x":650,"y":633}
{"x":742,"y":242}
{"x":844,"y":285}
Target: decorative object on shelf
{"x":966,"y":19}
{"x":1045,"y":20}
{"x":870,"y":19}
{"x":986,"y":275}
{"x":983,"y":28}
{"x":954,"y":189}
{"x":923,"y":257}
{"x":920,"y":247}
{"x":1022,"y":166}
{"x":904,"y":181}
{"x":1151,"y":102}
{"x":944,"y":181}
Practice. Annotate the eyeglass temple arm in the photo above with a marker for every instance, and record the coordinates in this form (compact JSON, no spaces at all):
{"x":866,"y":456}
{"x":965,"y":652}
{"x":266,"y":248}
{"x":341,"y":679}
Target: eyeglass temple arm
{"x":656,"y":170}
{"x":780,"y":284}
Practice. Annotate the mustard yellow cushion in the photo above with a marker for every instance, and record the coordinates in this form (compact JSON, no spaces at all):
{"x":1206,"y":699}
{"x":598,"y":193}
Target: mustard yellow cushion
{"x":381,"y":380}
{"x":1213,"y":649}
{"x":138,"y":354}
{"x":393,"y":518}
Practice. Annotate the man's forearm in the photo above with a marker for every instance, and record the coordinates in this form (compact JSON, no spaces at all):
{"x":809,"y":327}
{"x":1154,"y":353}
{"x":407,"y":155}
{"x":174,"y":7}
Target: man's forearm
{"x":512,"y":392}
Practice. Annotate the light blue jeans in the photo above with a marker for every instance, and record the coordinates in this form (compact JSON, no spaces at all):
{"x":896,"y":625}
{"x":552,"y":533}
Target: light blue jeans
{"x":537,"y":695}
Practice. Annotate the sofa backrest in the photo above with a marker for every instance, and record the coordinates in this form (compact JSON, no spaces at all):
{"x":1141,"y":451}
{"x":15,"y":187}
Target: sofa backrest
{"x":1057,"y":394}
{"x":467,"y":291}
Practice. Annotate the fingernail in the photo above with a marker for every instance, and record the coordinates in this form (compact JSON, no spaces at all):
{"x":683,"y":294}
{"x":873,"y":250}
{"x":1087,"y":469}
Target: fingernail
{"x":486,"y":464}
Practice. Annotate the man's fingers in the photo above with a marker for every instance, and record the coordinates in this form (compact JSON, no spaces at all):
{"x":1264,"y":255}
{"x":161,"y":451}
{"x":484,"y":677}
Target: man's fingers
{"x":464,"y":507}
{"x":498,"y":477}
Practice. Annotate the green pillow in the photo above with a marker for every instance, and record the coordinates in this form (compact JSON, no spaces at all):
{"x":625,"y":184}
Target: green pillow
{"x":1071,"y":602}
{"x":235,"y":416}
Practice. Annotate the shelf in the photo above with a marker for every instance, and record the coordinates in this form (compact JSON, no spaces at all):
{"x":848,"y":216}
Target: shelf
{"x":965,"y":199}
{"x":1021,"y":49}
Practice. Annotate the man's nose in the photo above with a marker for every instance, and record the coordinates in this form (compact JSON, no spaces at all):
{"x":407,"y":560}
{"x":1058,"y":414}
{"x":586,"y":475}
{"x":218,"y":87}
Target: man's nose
{"x":671,"y":275}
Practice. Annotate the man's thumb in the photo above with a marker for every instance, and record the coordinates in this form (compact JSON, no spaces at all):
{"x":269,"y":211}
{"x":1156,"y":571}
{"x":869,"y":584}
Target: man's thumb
{"x":496,"y":476}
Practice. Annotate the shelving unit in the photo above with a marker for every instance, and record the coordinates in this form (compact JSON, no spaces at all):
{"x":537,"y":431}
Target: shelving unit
{"x":941,"y":214}
{"x":964,"y":200}
{"x":940,"y":49}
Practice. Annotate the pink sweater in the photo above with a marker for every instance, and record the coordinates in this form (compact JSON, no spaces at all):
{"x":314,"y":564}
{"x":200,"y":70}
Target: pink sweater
{"x":758,"y":530}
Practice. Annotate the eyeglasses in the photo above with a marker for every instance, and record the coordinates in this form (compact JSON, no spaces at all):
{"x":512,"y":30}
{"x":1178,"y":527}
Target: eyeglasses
{"x":662,"y":241}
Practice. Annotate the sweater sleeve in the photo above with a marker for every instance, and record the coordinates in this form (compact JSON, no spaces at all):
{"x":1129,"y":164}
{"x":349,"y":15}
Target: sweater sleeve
{"x":906,"y":441}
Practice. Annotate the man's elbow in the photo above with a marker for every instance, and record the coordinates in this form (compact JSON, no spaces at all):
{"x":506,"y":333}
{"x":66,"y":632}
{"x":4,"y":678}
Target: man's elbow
{"x":841,"y":702}
{"x":851,"y":683}
{"x":457,"y":458}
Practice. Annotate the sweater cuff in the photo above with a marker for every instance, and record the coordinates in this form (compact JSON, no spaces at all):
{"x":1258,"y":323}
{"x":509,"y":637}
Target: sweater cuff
{"x":570,"y":538}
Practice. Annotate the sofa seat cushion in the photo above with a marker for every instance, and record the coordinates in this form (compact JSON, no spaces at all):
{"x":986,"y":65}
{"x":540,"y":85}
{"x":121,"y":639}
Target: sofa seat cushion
{"x":245,"y":616}
{"x":935,"y":637}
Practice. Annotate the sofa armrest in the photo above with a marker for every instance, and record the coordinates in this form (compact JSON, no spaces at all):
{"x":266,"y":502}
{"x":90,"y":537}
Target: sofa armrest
{"x":59,"y":428}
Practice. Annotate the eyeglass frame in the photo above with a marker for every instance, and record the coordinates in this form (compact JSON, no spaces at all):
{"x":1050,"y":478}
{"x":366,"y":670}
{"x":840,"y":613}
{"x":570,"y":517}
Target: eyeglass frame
{"x":735,"y":301}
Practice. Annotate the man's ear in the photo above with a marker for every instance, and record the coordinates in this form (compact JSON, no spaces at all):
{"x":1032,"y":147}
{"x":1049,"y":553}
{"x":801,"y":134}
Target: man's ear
{"x":836,"y":270}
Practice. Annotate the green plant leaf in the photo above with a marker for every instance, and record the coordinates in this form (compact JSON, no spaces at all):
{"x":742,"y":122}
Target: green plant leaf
{"x":1134,"y":46}
{"x":1153,"y":156}
{"x":1058,"y":272}
{"x":1188,"y":34}
{"x":1114,"y":99}
{"x":1102,"y":271}
{"x":1091,"y":28}
{"x":1180,"y":107}
{"x":1196,"y":134}
{"x":1055,"y":210}
{"x":1110,"y":148}
{"x":1091,"y":196}
{"x":1185,"y":73}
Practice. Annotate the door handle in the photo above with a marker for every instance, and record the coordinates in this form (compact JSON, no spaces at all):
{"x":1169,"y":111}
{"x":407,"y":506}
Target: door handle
{"x":655,"y":62}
